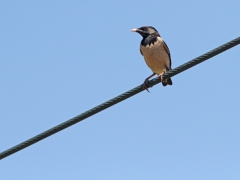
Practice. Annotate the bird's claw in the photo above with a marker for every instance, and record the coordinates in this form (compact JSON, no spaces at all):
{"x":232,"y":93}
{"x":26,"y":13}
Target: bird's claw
{"x":145,"y":84}
{"x":161,"y":75}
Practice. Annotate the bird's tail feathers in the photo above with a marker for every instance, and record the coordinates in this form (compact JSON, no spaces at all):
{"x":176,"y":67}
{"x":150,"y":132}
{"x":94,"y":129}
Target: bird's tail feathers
{"x":167,"y":82}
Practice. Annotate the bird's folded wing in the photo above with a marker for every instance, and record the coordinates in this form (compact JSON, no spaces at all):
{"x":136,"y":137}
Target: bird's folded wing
{"x":168,"y":51}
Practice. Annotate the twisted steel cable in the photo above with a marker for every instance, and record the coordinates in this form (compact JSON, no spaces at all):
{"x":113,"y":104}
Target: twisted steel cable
{"x":118,"y":99}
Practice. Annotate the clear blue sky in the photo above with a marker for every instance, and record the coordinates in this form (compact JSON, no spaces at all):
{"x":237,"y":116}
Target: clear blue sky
{"x":61,"y":58}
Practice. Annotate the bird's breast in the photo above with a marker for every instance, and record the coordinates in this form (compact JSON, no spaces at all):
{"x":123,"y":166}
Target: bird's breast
{"x":155,"y":56}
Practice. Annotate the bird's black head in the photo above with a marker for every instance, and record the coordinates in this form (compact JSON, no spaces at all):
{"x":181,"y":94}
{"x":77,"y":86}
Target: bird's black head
{"x":145,"y":31}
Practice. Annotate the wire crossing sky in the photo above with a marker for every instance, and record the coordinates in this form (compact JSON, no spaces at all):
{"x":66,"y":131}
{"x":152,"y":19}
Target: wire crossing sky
{"x":118,"y":99}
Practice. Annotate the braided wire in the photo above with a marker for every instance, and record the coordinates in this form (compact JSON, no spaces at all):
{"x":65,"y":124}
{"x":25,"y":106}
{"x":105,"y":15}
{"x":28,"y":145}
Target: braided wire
{"x":118,"y":99}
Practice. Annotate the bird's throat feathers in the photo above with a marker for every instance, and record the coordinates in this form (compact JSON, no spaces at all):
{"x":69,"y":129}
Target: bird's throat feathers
{"x":151,"y":39}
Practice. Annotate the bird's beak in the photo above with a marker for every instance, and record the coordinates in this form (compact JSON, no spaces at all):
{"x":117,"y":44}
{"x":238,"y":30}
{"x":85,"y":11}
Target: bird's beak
{"x":133,"y":30}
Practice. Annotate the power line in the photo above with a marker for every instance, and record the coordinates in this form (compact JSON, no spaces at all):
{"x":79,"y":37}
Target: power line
{"x":118,"y":99}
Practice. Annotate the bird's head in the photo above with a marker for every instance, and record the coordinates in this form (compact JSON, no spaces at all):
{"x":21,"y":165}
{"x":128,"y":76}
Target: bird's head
{"x":145,"y":31}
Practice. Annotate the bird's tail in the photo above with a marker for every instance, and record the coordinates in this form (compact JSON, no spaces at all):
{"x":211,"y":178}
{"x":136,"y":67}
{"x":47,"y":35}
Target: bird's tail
{"x":167,"y":82}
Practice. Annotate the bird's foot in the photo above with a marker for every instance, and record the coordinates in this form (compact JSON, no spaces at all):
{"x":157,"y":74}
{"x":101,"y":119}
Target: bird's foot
{"x":161,"y":75}
{"x":145,"y":85}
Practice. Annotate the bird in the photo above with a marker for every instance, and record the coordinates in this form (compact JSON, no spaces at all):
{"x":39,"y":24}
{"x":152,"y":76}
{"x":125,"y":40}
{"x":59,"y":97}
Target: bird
{"x":155,"y":52}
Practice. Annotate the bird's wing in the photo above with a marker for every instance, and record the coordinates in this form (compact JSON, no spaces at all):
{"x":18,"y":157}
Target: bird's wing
{"x":168,"y":52}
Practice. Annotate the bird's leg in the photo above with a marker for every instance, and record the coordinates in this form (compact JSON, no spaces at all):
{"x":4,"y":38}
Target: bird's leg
{"x":161,"y":75}
{"x":146,"y":82}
